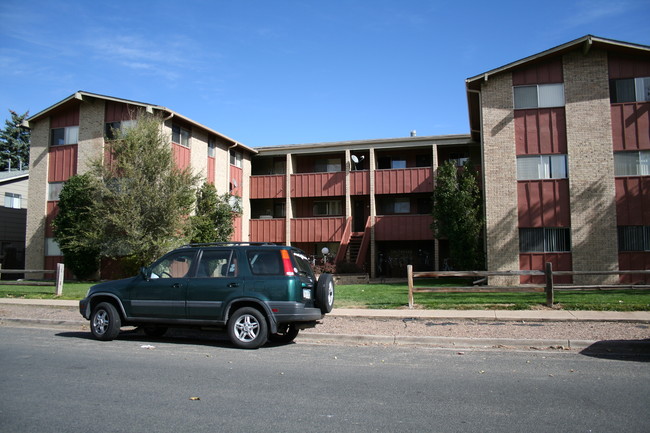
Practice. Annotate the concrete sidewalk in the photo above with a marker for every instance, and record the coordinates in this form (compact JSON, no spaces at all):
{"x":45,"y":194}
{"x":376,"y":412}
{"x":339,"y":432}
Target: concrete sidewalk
{"x":498,"y":315}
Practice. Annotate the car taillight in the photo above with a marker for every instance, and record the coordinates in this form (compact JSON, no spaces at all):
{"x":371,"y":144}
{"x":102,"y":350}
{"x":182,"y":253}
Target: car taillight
{"x":286,"y":262}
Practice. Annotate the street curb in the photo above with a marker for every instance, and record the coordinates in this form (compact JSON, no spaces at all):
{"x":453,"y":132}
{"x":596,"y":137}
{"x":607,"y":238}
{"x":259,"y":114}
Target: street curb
{"x":439,"y":342}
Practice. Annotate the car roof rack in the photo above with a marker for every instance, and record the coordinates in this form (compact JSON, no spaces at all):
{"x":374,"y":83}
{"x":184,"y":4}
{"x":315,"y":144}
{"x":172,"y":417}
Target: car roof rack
{"x":228,"y":244}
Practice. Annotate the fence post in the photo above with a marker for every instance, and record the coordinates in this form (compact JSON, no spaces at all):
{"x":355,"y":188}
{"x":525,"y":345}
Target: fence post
{"x":409,"y":272}
{"x":549,"y":284}
{"x":59,"y":279}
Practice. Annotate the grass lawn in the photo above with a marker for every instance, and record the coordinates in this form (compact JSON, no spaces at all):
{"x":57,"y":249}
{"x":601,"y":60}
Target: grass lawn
{"x":395,"y":295}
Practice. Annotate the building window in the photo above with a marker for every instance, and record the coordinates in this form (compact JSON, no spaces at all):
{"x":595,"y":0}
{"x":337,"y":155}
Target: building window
{"x":537,"y":167}
{"x":113,"y":130}
{"x":53,"y":190}
{"x":52,"y":248}
{"x":539,"y":96}
{"x":544,"y":240}
{"x":181,"y":136}
{"x":630,"y":90}
{"x":327,"y":208}
{"x":236,"y":158}
{"x":634,"y":238}
{"x":327,"y":165}
{"x":459,"y":158}
{"x":62,"y":136}
{"x":12,"y":200}
{"x":212,"y":146}
{"x":402,"y":205}
{"x":636,"y":163}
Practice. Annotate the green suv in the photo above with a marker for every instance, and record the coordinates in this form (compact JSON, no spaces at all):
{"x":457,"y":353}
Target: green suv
{"x":257,"y":292}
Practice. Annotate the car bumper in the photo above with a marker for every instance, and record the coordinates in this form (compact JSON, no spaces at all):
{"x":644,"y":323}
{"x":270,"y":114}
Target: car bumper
{"x":286,"y":312}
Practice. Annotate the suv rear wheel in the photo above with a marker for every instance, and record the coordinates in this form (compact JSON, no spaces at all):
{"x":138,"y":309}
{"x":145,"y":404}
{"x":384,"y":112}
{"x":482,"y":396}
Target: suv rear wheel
{"x":247,"y":328}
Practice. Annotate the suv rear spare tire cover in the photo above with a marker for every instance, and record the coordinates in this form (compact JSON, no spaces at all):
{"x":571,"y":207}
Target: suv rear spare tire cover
{"x":325,"y":293}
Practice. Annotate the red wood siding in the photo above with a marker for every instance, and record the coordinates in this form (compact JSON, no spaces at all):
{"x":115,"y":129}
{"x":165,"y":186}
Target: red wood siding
{"x":537,"y":262}
{"x":540,"y":131}
{"x":403,"y":228}
{"x":544,"y":203}
{"x":318,"y":184}
{"x":65,"y":118}
{"x":236,"y":180}
{"x":117,"y":111}
{"x":237,"y":233}
{"x":268,"y":230}
{"x":634,"y":260}
{"x":50,"y":264}
{"x":628,"y":67}
{"x":540,"y":73}
{"x":631,"y":125}
{"x":181,"y":156}
{"x":268,"y":186}
{"x":404,"y":181}
{"x":211,"y":170}
{"x":633,"y":201}
{"x":360,"y":182}
{"x":62,"y":163}
{"x":52,"y":211}
{"x":328,"y":229}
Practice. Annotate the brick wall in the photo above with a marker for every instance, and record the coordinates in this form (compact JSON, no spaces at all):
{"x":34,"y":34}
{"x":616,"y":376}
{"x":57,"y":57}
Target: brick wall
{"x":591,"y":165}
{"x":91,"y":133}
{"x":38,"y":163}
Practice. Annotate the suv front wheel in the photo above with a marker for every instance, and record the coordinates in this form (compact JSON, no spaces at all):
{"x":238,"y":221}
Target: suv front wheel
{"x":105,"y":322}
{"x":247,"y":328}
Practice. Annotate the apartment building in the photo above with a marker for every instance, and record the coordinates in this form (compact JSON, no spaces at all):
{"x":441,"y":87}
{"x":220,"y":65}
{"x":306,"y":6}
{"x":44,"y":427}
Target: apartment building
{"x":13,"y":215}
{"x":565,"y":141}
{"x":69,"y":135}
{"x":561,"y":139}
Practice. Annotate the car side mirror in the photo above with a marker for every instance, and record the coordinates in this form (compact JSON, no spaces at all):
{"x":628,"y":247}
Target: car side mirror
{"x":145,"y":273}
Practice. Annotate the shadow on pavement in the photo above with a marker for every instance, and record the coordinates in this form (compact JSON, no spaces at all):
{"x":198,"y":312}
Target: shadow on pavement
{"x":622,"y":350}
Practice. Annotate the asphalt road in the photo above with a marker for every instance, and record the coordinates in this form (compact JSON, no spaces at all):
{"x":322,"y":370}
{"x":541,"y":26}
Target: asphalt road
{"x":64,"y":381}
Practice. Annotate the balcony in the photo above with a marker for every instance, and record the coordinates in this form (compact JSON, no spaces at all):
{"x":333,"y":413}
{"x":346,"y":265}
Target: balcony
{"x":404,"y":181}
{"x":269,"y":186}
{"x":318,"y":184}
{"x":403,"y":228}
{"x":327,"y":229}
{"x":268,"y":230}
{"x":360,"y":182}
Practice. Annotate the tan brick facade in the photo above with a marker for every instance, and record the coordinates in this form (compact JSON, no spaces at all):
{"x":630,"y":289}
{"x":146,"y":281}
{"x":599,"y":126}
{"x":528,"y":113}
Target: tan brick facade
{"x":500,"y":177}
{"x":91,"y":134}
{"x":591,"y":165}
{"x":38,"y":163}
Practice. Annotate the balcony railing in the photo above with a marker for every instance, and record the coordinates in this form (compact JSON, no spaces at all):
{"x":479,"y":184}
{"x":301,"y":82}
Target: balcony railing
{"x":268,"y":230}
{"x":327,"y":229}
{"x":403,"y":227}
{"x":318,"y":184}
{"x":404,"y":181}
{"x":269,"y":186}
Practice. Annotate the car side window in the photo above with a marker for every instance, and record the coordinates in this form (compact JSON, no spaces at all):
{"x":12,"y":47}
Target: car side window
{"x":217,"y":264}
{"x":265,"y":262}
{"x":176,"y":265}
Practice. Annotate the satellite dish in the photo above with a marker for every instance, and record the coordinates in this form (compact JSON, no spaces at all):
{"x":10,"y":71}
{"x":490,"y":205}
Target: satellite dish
{"x":355,"y":159}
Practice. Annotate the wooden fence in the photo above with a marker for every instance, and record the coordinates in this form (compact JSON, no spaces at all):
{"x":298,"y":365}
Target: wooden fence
{"x":57,"y":283}
{"x":549,"y":288}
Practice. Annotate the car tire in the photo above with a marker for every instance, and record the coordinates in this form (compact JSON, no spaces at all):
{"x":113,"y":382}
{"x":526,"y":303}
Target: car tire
{"x":105,"y":322}
{"x":325,"y":293}
{"x":154,"y":331}
{"x":286,"y":335}
{"x":247,"y":328}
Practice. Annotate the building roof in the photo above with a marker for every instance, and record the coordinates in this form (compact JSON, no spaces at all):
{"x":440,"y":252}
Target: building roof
{"x":585,"y":43}
{"x":365,"y":144}
{"x":150,"y":108}
{"x":13,"y":176}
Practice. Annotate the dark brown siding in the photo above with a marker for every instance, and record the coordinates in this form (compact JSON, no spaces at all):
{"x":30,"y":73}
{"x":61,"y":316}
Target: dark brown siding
{"x":62,"y":163}
{"x":633,"y":200}
{"x":318,"y":184}
{"x":267,"y":230}
{"x":116,"y":112}
{"x":541,"y":73}
{"x":631,"y":125}
{"x":403,"y":228}
{"x":404,"y":181}
{"x":537,"y":262}
{"x":317,"y":229}
{"x":634,"y":260}
{"x":269,"y":186}
{"x":540,"y":131}
{"x":360,"y":182}
{"x":66,"y":118}
{"x":628,"y":67}
{"x":544,"y":203}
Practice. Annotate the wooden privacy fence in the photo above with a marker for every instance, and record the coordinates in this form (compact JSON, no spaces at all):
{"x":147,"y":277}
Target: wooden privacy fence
{"x":549,"y":288}
{"x":57,"y":283}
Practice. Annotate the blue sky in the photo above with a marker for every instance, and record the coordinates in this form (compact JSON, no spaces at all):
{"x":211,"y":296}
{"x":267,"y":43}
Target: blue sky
{"x":273,"y":72}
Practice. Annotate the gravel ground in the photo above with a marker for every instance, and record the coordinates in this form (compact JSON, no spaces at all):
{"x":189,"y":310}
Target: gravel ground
{"x":595,"y":331}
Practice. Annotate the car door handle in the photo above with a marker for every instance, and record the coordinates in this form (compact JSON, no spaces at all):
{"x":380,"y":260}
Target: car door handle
{"x":233,"y":285}
{"x":176,"y":285}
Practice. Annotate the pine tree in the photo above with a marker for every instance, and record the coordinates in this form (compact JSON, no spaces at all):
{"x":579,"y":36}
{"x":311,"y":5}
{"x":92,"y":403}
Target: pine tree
{"x":14,"y":143}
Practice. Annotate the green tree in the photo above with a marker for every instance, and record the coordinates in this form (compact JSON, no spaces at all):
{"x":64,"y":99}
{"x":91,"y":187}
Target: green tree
{"x":14,"y":143}
{"x":75,"y":226}
{"x":144,"y":198}
{"x":214,"y":215}
{"x":457,"y":214}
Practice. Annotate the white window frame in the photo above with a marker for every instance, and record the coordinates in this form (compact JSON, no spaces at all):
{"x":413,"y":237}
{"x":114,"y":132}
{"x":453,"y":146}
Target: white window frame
{"x":236,"y":158}
{"x":544,"y":96}
{"x":553,"y":166}
{"x":212,"y":148}
{"x":641,"y":90}
{"x":181,"y":135}
{"x":70,"y":135}
{"x":632,"y":163}
{"x":13,"y":200}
